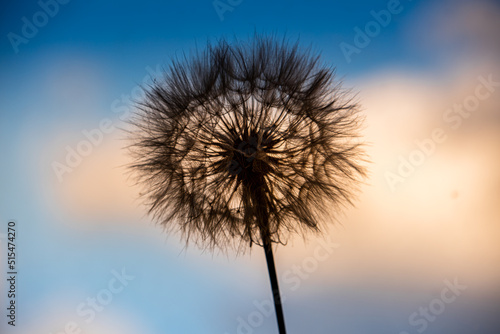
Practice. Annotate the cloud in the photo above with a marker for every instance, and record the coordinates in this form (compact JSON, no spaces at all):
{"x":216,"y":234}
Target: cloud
{"x":98,"y":191}
{"x":442,"y":220}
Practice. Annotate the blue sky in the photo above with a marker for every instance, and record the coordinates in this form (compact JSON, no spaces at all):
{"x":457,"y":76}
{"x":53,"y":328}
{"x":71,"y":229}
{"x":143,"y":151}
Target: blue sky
{"x":119,"y":35}
{"x":397,"y":247}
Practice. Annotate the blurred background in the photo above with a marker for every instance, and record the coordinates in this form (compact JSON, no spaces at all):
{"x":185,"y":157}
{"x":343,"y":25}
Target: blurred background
{"x":420,"y":252}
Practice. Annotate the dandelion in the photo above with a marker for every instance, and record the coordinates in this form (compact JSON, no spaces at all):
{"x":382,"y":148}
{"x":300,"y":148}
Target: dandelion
{"x":247,"y":143}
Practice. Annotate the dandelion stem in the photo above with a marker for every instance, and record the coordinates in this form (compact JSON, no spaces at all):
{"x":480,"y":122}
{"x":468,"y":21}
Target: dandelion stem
{"x":274,"y":282}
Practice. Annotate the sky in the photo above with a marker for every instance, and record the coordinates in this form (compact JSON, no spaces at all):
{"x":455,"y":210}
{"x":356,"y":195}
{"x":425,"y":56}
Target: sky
{"x":418,"y":253}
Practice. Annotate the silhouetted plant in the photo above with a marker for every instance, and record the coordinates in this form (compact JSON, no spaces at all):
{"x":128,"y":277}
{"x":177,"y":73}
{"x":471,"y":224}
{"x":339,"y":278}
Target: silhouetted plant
{"x":247,"y":143}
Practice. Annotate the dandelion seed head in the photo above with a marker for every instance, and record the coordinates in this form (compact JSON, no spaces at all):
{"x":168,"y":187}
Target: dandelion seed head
{"x":245,"y":140}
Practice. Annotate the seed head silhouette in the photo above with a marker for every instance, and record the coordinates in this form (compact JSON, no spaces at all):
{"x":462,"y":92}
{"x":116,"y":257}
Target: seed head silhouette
{"x":247,"y":143}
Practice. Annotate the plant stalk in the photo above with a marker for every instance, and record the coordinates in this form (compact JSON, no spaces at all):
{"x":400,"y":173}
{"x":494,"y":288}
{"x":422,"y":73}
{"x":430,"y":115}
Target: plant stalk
{"x":274,"y":283}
